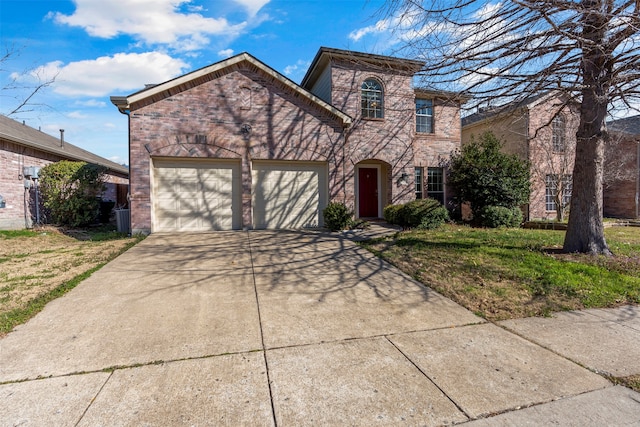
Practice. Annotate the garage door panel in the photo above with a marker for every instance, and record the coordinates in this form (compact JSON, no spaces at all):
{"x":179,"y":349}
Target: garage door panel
{"x":197,"y":196}
{"x":288,"y":194}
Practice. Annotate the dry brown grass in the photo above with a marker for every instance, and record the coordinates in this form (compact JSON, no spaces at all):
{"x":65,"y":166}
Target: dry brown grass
{"x":31,"y":265}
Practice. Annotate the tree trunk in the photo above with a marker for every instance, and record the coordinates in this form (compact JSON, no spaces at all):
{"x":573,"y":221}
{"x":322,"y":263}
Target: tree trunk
{"x":585,"y":230}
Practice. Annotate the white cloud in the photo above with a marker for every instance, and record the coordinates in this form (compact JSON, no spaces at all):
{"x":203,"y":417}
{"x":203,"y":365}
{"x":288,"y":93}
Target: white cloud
{"x":104,"y":75}
{"x":298,"y":66}
{"x":151,"y":21}
{"x":252,"y":6}
{"x":119,"y":160}
{"x":91,"y":103}
{"x":77,"y":115}
{"x":379,"y":27}
{"x":226,"y":53}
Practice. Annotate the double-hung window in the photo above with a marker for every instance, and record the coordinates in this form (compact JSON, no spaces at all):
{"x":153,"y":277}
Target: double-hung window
{"x":435,"y":184}
{"x":559,"y":130}
{"x":372,"y":99}
{"x":554,"y":185}
{"x":418,"y":180}
{"x":424,"y":116}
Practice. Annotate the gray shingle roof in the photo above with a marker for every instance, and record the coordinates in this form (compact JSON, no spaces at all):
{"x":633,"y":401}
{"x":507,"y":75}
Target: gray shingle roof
{"x":629,"y":125}
{"x":27,"y":136}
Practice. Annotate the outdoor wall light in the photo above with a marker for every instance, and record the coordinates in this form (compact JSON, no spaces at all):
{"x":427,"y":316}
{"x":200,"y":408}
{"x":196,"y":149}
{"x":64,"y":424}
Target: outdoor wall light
{"x":245,"y":129}
{"x":404,"y":179}
{"x":3,"y":204}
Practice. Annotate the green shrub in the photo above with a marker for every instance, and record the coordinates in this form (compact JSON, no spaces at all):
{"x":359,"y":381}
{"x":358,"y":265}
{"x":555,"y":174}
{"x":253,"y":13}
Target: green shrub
{"x":391,"y":214}
{"x":422,"y":213}
{"x":70,"y":191}
{"x":499,"y":216}
{"x":435,"y":218}
{"x":483,"y":175}
{"x":337,"y":216}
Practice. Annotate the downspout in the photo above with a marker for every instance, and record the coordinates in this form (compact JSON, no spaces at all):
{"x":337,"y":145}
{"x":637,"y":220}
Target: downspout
{"x":638,"y":179}
{"x":126,"y":110}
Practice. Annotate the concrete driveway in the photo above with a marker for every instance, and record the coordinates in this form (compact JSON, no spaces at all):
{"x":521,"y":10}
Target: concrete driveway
{"x":276,"y":328}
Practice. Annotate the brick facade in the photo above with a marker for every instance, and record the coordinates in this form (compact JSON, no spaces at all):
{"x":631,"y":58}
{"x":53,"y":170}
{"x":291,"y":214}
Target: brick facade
{"x":203,"y":114}
{"x":622,"y":188}
{"x":206,"y":121}
{"x":391,"y":142}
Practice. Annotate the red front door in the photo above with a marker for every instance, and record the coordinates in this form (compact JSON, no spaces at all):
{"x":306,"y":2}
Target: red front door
{"x":368,"y":192}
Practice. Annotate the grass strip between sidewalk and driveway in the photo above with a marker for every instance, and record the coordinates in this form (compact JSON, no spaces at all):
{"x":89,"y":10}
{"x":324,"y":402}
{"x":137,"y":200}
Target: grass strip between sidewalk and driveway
{"x":511,"y":273}
{"x":38,"y":266}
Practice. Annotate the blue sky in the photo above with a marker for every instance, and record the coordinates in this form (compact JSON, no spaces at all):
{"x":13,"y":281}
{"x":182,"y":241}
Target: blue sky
{"x":100,"y":48}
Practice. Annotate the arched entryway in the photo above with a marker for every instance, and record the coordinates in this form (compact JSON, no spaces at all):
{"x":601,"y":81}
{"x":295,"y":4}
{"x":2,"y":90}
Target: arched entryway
{"x":371,"y":188}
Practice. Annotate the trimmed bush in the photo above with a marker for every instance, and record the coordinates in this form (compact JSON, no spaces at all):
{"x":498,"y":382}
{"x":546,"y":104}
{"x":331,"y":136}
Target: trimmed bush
{"x":499,"y":216}
{"x":337,"y":216}
{"x":435,"y":218}
{"x":421,"y":213}
{"x":391,"y":214}
{"x":427,"y":211}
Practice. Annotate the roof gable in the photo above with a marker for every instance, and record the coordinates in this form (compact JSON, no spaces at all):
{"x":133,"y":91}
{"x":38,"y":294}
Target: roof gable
{"x":154,"y":93}
{"x":325,"y":55}
{"x":26,"y":136}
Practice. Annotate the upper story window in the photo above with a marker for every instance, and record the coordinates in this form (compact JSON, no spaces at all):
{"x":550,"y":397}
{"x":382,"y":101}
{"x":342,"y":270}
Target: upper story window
{"x":559,"y":131}
{"x":372,"y":99}
{"x":424,"y":116}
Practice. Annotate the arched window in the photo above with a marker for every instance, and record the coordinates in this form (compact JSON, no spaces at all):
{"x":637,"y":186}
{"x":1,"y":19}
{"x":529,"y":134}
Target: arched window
{"x":372,"y":99}
{"x":559,"y":132}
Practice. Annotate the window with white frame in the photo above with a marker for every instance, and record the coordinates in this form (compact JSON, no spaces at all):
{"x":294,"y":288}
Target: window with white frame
{"x":372,"y":99}
{"x":424,"y":116}
{"x":555,"y":184}
{"x":559,"y":129}
{"x":418,"y":181}
{"x":435,"y":184}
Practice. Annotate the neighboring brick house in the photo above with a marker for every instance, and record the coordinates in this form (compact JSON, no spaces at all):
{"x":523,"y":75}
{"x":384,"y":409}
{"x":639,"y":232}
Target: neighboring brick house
{"x":237,"y":145}
{"x":542,"y":129}
{"x":22,"y":147}
{"x":622,"y":169}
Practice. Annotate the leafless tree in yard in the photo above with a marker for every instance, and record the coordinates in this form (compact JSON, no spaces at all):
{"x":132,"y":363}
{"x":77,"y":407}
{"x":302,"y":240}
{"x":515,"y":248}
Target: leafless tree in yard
{"x":506,"y":51}
{"x":21,"y":87}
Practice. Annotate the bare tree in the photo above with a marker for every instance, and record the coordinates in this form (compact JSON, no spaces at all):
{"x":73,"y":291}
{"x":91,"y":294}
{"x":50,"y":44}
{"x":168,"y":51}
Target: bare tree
{"x":507,"y":51}
{"x":22,"y":87}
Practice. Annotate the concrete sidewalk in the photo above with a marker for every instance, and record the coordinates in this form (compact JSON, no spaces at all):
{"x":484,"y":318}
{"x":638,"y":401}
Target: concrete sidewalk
{"x":292,"y":328}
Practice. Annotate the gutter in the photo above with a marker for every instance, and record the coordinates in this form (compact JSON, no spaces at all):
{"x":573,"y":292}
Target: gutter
{"x":122,"y":103}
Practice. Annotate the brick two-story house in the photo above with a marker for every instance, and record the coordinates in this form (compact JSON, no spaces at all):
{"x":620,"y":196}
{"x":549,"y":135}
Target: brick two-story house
{"x":542,"y":130}
{"x":238,"y":145}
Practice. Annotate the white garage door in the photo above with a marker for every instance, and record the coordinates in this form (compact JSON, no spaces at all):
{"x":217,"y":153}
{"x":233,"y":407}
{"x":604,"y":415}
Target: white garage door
{"x":192,"y":195}
{"x":288,"y":194}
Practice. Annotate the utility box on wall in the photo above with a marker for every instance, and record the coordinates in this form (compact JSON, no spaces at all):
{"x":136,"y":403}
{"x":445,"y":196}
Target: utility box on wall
{"x":31,"y":172}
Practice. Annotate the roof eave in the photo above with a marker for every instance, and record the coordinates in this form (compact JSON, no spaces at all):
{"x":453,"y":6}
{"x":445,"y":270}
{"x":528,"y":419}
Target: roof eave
{"x":61,"y":153}
{"x":124,"y":103}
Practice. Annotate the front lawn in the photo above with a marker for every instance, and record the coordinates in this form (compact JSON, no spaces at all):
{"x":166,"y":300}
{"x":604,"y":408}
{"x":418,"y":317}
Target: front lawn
{"x":511,"y":273}
{"x":37,"y":266}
